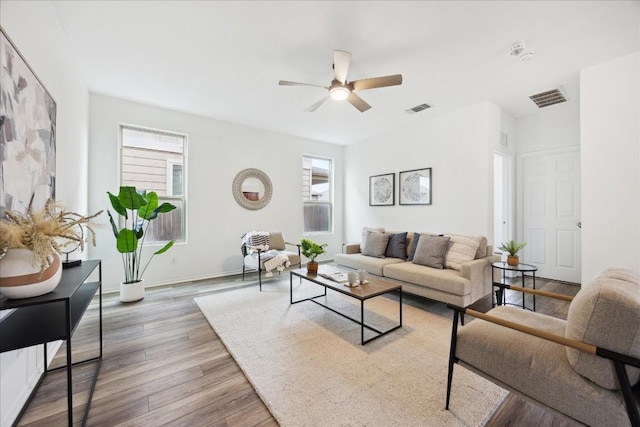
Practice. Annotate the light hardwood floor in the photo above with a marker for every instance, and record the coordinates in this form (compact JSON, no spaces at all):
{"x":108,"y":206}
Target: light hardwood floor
{"x":164,"y":365}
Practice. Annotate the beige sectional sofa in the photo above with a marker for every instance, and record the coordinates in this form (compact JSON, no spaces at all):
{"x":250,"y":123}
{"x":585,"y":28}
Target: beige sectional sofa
{"x":460,"y":280}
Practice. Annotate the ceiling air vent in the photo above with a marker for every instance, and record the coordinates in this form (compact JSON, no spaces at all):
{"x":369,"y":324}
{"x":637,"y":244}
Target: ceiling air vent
{"x":417,"y":108}
{"x":549,"y":97}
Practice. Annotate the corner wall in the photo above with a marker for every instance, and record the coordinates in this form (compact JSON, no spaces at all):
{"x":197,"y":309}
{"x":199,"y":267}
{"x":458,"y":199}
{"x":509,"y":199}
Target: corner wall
{"x":458,"y":147}
{"x":610,"y":155}
{"x":216,"y":152}
{"x":35,"y":30}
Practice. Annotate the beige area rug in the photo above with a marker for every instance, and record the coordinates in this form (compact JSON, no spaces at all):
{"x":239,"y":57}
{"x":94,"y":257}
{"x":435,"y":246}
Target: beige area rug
{"x":309,"y":368}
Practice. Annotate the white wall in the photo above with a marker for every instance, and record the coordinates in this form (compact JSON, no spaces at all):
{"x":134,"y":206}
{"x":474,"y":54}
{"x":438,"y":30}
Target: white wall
{"x":34,"y":28}
{"x":216,"y":152}
{"x":610,"y":150}
{"x":458,"y":147}
{"x":553,"y":127}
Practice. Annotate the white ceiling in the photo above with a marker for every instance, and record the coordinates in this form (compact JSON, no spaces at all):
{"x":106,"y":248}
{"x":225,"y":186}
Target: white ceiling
{"x":223,"y":59}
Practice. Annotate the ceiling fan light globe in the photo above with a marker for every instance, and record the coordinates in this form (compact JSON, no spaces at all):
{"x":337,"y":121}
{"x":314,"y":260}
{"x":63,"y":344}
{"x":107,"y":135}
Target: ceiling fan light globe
{"x":339,"y":93}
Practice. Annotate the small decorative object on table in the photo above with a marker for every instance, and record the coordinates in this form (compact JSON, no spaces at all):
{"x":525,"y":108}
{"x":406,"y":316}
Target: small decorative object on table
{"x":30,"y":245}
{"x":351,"y":279}
{"x":362,"y":275}
{"x":311,"y":250}
{"x":512,"y":248}
{"x":138,"y":208}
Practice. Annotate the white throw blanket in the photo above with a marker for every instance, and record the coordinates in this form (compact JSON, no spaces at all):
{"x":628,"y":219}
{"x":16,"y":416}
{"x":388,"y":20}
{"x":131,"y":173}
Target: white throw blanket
{"x":277,"y":262}
{"x":254,"y":240}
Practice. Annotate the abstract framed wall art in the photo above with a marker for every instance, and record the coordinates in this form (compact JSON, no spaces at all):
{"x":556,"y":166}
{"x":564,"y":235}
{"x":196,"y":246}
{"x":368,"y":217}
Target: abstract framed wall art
{"x":27,"y":134}
{"x":382,"y":189}
{"x":415,"y":187}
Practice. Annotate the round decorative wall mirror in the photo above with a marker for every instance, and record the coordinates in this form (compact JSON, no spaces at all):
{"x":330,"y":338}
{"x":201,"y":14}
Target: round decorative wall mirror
{"x":252,"y":189}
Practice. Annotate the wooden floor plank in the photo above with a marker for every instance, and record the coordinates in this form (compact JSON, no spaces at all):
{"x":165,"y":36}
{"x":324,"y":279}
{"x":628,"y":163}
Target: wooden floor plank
{"x":164,"y":365}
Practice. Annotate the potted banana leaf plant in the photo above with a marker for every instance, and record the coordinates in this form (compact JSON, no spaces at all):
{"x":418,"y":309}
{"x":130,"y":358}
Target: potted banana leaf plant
{"x":137,"y":208}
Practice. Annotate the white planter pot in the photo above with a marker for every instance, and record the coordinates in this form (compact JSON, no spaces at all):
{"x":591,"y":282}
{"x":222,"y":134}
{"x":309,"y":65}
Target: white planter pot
{"x":131,"y":292}
{"x":20,"y":279}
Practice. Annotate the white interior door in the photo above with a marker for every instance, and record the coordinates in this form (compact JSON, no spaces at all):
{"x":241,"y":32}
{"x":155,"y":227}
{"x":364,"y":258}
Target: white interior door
{"x":551,"y":217}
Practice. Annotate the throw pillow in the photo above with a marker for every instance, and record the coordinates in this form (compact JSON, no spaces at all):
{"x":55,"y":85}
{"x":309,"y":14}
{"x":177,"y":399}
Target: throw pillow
{"x":461,"y":249}
{"x":397,"y":246}
{"x":375,"y":244}
{"x":414,"y":245}
{"x":482,"y":248}
{"x":606,"y":314}
{"x":376,"y":229}
{"x":276,"y":240}
{"x":431,"y":251}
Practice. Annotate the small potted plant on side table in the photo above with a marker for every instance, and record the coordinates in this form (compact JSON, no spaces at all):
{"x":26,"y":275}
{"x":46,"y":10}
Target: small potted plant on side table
{"x":311,"y":250}
{"x":512,"y":248}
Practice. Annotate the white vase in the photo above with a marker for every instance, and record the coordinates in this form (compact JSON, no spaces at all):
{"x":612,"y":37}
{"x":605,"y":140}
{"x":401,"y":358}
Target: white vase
{"x":131,"y":292}
{"x":20,"y":279}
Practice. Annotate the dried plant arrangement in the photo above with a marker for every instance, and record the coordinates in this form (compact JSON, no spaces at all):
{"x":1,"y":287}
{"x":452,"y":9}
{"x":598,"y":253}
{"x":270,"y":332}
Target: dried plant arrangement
{"x":44,"y":232}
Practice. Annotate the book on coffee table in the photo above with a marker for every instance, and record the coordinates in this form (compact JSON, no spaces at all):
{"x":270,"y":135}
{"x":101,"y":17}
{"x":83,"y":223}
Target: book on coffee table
{"x":336,"y":276}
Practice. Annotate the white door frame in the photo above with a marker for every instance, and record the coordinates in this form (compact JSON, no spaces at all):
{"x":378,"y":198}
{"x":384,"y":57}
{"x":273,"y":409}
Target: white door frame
{"x":507,"y":200}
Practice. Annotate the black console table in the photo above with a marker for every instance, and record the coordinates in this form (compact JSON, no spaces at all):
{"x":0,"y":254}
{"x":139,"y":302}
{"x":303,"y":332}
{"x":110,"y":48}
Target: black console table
{"x":51,"y":317}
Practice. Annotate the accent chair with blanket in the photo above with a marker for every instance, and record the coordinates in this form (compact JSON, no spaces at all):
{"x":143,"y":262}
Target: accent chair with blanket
{"x":265,"y":251}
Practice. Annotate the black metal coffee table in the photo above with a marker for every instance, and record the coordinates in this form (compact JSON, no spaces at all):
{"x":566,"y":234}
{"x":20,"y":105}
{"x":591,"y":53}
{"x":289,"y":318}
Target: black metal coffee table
{"x":373,"y":287}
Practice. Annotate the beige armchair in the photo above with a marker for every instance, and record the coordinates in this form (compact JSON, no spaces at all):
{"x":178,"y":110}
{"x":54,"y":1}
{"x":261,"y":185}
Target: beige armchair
{"x":586,"y":367}
{"x":266,"y":251}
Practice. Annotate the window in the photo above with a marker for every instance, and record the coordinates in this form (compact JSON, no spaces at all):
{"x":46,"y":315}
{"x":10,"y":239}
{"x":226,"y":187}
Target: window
{"x":154,"y":161}
{"x":317,"y":194}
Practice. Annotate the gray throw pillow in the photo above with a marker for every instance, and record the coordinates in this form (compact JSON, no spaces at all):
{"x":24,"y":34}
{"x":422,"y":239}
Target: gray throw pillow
{"x":397,"y":246}
{"x":431,"y":251}
{"x":375,"y":244}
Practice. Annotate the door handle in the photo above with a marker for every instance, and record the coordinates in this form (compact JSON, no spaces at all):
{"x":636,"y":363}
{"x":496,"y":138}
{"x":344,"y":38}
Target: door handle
{"x":579,"y":224}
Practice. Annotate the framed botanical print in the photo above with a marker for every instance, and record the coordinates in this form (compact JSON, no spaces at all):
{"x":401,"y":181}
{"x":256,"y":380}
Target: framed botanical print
{"x":382,"y":190}
{"x":415,"y":187}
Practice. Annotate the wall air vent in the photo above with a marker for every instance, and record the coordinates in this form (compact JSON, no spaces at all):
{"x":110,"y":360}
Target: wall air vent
{"x":417,"y":108}
{"x":549,"y":97}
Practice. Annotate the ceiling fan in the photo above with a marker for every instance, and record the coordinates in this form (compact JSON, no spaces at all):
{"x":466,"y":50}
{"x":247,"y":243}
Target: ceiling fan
{"x":341,"y":89}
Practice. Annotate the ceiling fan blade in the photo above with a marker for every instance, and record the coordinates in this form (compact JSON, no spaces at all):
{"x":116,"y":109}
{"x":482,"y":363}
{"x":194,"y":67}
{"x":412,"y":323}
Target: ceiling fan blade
{"x":315,"y":106}
{"x":286,"y":83}
{"x":341,"y":61}
{"x":358,"y":102}
{"x":376,"y":82}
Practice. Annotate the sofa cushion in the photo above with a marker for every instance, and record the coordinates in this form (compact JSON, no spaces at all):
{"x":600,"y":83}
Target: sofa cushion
{"x":374,"y":244}
{"x":276,"y":240}
{"x":536,"y":367}
{"x":461,"y":249}
{"x":397,"y":246}
{"x":371,"y":264}
{"x":605,"y":313}
{"x":431,"y":251}
{"x":482,"y":248}
{"x":622,"y":274}
{"x":450,"y":281}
